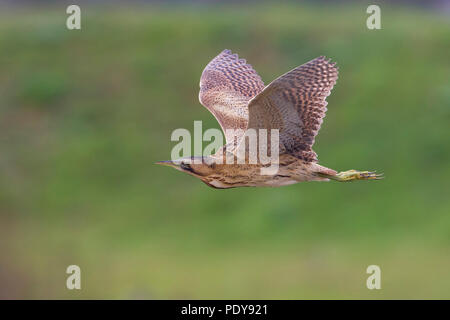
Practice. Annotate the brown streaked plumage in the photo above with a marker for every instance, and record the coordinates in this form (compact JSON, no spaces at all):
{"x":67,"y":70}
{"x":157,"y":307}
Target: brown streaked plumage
{"x":294,"y":104}
{"x":226,"y":86}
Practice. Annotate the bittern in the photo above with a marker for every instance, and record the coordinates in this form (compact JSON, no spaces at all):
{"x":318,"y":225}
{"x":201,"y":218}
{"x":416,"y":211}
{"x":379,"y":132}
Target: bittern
{"x":294,"y":104}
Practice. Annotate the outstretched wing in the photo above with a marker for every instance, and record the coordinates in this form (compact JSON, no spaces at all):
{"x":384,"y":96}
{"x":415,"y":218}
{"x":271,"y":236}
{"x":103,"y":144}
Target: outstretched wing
{"x":295,"y":105}
{"x":226,"y":86}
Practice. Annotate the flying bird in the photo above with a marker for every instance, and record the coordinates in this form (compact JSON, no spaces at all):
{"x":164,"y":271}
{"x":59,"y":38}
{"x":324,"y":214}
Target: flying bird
{"x":294,"y":104}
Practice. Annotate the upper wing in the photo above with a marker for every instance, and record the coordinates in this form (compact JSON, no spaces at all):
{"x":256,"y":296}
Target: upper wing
{"x":295,"y":105}
{"x":226,"y":86}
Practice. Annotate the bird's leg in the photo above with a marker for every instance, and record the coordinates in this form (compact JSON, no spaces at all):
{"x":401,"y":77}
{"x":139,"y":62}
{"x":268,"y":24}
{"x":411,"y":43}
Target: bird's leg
{"x":351,"y":175}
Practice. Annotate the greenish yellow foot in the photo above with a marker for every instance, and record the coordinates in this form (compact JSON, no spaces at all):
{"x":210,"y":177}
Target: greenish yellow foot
{"x":352,"y":175}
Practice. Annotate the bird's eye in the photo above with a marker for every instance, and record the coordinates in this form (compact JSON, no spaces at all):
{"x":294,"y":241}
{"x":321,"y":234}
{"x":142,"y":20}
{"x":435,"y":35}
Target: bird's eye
{"x":186,"y":166}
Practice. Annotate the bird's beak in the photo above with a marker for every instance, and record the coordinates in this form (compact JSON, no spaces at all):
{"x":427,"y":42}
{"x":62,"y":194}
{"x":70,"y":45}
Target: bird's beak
{"x":168,"y":163}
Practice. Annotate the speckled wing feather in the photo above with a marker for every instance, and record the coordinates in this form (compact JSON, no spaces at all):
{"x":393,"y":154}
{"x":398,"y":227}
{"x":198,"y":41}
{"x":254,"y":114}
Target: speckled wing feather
{"x":295,"y":105}
{"x":226,"y":86}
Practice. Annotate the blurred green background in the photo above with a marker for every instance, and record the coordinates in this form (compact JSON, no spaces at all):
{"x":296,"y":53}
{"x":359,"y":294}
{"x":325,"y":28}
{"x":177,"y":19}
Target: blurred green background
{"x":85,"y":114}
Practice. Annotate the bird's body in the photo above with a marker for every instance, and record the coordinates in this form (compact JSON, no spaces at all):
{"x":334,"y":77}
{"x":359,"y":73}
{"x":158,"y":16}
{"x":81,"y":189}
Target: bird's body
{"x":290,"y":170}
{"x":293,"y":105}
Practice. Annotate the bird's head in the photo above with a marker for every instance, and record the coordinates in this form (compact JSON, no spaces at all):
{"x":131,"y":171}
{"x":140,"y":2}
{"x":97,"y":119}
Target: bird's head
{"x":200,"y":167}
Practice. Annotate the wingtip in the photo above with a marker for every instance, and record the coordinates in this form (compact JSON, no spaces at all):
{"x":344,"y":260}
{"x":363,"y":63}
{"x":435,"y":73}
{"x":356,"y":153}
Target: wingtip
{"x":235,"y":56}
{"x":329,"y":61}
